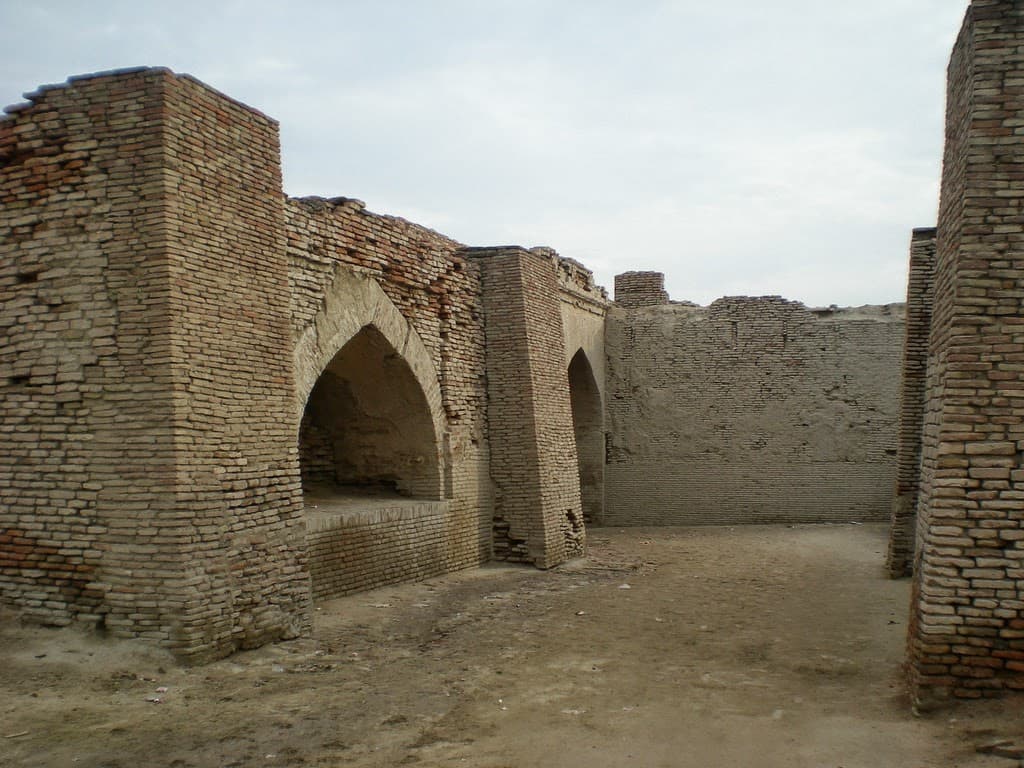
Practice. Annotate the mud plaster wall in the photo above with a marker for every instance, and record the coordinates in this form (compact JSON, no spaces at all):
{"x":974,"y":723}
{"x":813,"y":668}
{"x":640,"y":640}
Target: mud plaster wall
{"x":750,"y":411}
{"x":436,"y":290}
{"x":967,"y":614}
{"x":912,"y":396}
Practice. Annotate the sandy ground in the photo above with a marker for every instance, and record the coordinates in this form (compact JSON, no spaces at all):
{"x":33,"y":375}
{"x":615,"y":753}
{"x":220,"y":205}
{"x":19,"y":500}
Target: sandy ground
{"x":748,"y":646}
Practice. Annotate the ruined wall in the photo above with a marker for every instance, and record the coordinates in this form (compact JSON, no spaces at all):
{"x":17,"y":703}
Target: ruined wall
{"x":912,"y":396}
{"x":584,"y":307}
{"x":77,"y":347}
{"x":750,"y":411}
{"x":537,"y":508}
{"x":436,"y":290}
{"x":967,"y":613}
{"x":139,"y":488}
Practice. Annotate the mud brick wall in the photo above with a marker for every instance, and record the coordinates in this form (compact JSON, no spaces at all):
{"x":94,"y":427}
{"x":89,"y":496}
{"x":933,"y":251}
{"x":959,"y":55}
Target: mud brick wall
{"x":912,"y":396}
{"x":537,"y":508}
{"x":238,"y":492}
{"x":752,"y":410}
{"x":85,"y":446}
{"x":639,"y":289}
{"x":363,"y":550}
{"x":967,"y":614}
{"x":437,"y":290}
{"x":142,"y":223}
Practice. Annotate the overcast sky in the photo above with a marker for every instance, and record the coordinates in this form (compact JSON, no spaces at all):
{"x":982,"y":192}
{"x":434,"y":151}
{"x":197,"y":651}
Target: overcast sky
{"x":744,"y":147}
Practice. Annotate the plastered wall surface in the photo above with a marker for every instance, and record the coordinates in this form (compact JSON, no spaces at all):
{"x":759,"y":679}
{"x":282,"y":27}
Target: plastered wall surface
{"x":750,"y":411}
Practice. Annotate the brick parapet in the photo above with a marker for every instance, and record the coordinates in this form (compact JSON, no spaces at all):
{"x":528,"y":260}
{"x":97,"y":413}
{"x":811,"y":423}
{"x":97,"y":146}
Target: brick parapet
{"x":966,"y":633}
{"x":912,"y":400}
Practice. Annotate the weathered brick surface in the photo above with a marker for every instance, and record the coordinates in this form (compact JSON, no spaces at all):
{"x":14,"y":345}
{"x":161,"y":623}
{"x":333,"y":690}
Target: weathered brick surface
{"x":750,"y":411}
{"x":912,"y":397}
{"x":537,"y":508}
{"x":584,"y":307}
{"x":967,"y":616}
{"x":358,"y":551}
{"x":142,"y":223}
{"x":437,"y":290}
{"x":640,"y":289}
{"x":166,"y":314}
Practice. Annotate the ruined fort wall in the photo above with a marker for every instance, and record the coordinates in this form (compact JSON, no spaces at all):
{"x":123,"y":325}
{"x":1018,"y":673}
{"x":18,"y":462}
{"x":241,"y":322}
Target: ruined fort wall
{"x":141,"y":489}
{"x":912,"y":398}
{"x":437,"y":291}
{"x":85,"y":355}
{"x":967,"y":630}
{"x":237,"y":486}
{"x":584,"y":307}
{"x":750,"y":411}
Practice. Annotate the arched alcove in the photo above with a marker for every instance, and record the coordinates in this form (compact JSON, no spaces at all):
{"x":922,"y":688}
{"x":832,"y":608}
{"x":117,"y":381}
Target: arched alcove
{"x":367,"y":427}
{"x":588,"y":427}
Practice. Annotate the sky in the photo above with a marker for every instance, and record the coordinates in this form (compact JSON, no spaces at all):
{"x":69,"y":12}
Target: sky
{"x":742,"y":148}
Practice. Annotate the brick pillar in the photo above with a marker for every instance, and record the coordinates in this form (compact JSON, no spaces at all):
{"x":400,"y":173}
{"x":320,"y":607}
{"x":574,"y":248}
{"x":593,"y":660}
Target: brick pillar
{"x":967,"y":626}
{"x":912,"y":396}
{"x":640,"y":289}
{"x":147,"y":235}
{"x":538,"y":514}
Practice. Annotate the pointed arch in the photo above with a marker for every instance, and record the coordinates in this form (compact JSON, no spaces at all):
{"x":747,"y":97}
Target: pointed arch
{"x":356,"y":309}
{"x":588,"y":428}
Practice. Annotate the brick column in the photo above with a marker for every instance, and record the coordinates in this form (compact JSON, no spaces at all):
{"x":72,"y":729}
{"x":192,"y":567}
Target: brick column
{"x":912,"y":394}
{"x":640,"y":289}
{"x":538,"y":514}
{"x":967,"y":625}
{"x":148,"y":442}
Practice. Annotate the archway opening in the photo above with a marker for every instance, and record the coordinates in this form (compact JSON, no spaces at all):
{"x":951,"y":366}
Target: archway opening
{"x":366,"y":431}
{"x":588,"y":426}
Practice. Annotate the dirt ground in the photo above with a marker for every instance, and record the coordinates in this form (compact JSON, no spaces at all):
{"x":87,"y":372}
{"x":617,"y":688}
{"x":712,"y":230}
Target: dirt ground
{"x":747,"y":646}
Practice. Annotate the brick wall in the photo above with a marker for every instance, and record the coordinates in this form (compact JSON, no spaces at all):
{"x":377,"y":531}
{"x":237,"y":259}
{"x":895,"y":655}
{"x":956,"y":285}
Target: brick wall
{"x":84,"y":362}
{"x":584,"y":307}
{"x":640,"y":289}
{"x":143,"y":224}
{"x":912,"y":396}
{"x":750,"y":411}
{"x":375,"y":546}
{"x":967,"y":627}
{"x":436,"y":289}
{"x":237,"y":495}
{"x":537,"y":509}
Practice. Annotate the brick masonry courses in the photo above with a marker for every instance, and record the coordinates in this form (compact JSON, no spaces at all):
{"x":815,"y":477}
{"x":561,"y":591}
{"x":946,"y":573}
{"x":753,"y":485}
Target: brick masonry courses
{"x":435,"y":289}
{"x":912,"y":397}
{"x":141,"y":490}
{"x":166,"y":312}
{"x":752,"y":410}
{"x":538,"y":511}
{"x":967,"y":615}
